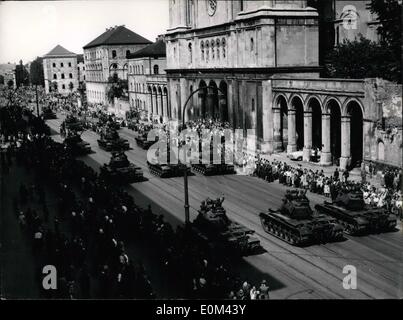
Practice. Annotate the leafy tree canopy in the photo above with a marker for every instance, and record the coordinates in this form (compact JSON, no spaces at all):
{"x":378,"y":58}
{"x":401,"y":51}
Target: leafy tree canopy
{"x":363,"y":58}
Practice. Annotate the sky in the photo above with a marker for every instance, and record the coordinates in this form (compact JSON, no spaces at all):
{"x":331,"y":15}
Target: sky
{"x":32,"y":28}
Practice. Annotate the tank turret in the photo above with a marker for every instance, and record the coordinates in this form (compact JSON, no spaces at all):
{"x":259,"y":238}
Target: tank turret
{"x":350,"y":210}
{"x":296,"y":223}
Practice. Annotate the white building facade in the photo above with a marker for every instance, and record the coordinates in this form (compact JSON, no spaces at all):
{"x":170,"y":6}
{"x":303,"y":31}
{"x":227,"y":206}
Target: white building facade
{"x":60,"y":71}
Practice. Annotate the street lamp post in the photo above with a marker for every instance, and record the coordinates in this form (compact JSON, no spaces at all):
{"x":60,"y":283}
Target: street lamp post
{"x":185,"y":175}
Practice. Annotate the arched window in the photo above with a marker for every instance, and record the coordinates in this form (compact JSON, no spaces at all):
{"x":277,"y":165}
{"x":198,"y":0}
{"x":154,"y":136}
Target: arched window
{"x":202,"y":50}
{"x":55,"y":76}
{"x":212,"y":50}
{"x":252,"y":45}
{"x":218,"y":48}
{"x":190,"y":52}
{"x":156,"y":69}
{"x":113,"y":54}
{"x":62,"y":75}
{"x":70,"y":75}
{"x":381,"y":150}
{"x":223,"y":47}
{"x":142,"y":69}
{"x":207,"y":51}
{"x":253,"y":105}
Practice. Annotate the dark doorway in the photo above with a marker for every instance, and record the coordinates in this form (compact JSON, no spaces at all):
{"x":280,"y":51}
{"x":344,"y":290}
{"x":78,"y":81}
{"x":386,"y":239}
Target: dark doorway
{"x":299,"y":122}
{"x":356,"y":135}
{"x":282,"y":103}
{"x":335,"y":131}
{"x":316,"y":123}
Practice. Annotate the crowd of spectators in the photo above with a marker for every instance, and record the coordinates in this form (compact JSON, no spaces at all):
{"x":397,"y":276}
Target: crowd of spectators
{"x":91,"y":256}
{"x":388,"y":196}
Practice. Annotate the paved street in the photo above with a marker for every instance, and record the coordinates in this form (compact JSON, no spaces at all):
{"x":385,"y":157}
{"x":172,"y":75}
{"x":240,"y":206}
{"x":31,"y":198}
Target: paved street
{"x":292,"y":272}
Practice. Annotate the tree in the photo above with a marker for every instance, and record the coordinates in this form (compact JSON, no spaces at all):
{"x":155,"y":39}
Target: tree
{"x":36,"y":72}
{"x":1,"y":79}
{"x":362,"y":58}
{"x":117,"y":89}
{"x":389,"y":15}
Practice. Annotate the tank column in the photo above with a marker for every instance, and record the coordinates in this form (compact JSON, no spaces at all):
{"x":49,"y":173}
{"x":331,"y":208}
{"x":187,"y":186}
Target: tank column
{"x":345,"y":143}
{"x":326,"y":156}
{"x":292,"y":141}
{"x":307,"y":135}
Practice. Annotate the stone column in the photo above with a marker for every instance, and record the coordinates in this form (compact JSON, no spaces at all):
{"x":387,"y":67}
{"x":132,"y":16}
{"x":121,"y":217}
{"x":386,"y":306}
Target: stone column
{"x":165,"y":108}
{"x":326,"y":156}
{"x":292,"y":139}
{"x":277,"y":141}
{"x":345,"y":158}
{"x":221,"y":105}
{"x":307,"y":135}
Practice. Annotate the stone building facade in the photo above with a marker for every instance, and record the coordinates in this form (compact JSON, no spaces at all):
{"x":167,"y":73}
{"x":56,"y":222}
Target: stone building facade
{"x":255,"y":65}
{"x":105,"y":56}
{"x":148,"y":91}
{"x":60,"y":71}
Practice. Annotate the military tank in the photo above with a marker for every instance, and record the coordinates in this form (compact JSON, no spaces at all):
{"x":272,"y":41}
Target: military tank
{"x":212,"y":168}
{"x":76,"y":144}
{"x":48,"y":113}
{"x":350,"y":210}
{"x":142,"y":137}
{"x":166,"y":169}
{"x":110,"y":140}
{"x":120,"y":170}
{"x":214,"y":228}
{"x":297,"y":224}
{"x":71,"y":123}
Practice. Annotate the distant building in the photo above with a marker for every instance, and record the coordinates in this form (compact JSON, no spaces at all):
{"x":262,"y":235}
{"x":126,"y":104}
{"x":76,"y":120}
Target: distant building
{"x":107,"y":55}
{"x":10,"y":76}
{"x":80,"y":68}
{"x":147,"y":81}
{"x":60,"y":70}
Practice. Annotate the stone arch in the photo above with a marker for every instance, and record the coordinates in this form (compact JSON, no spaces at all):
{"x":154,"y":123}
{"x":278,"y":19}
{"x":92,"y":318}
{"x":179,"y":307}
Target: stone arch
{"x":332,"y":107}
{"x":355,"y":112}
{"x":280,"y":125}
{"x":381,"y":150}
{"x":313,"y":107}
{"x":297,"y":103}
{"x":344,"y":110}
{"x":309,"y":99}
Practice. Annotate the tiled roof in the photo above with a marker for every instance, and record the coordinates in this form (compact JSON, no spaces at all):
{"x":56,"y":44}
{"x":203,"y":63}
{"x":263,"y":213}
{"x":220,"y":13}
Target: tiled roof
{"x":155,"y":50}
{"x":59,"y":51}
{"x":117,"y":35}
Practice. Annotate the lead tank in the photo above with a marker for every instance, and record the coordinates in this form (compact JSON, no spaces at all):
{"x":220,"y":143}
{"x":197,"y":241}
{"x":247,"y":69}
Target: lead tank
{"x":214,"y":227}
{"x":296,"y":223}
{"x":350,"y":210}
{"x":71,"y":123}
{"x":120,"y":170}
